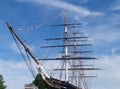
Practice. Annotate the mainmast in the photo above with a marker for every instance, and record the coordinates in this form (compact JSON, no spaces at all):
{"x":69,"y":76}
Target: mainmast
{"x":66,"y":46}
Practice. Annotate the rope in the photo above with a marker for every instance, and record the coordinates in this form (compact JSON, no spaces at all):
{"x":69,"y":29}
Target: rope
{"x":23,"y":55}
{"x":30,"y":65}
{"x":43,"y":23}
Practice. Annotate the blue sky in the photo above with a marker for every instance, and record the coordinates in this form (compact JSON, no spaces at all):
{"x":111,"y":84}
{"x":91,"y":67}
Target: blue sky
{"x":101,"y":21}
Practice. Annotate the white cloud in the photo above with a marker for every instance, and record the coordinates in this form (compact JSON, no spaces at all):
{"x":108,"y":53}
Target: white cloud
{"x":66,"y":6}
{"x":102,"y":38}
{"x":15,"y":74}
{"x":110,"y":77}
{"x":103,"y":34}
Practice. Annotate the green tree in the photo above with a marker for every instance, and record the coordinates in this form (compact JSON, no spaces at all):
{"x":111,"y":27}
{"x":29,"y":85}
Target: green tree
{"x":39,"y":82}
{"x":2,"y":86}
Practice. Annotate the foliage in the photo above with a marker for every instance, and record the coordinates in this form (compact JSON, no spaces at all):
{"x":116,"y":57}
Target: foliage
{"x":2,"y":86}
{"x":39,"y":82}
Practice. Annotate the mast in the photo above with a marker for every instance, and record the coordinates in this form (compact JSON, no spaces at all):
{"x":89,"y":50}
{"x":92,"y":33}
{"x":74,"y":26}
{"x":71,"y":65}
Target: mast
{"x":40,"y":68}
{"x":66,"y":47}
{"x":73,"y":55}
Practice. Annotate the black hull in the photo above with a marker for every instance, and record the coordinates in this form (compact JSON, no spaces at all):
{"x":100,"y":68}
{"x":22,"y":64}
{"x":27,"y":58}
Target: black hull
{"x":58,"y":84}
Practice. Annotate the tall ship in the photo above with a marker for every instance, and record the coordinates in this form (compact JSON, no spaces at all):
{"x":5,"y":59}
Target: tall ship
{"x":75,"y":68}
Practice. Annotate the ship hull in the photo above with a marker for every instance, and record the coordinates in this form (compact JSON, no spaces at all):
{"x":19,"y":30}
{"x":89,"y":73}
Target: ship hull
{"x":52,"y":83}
